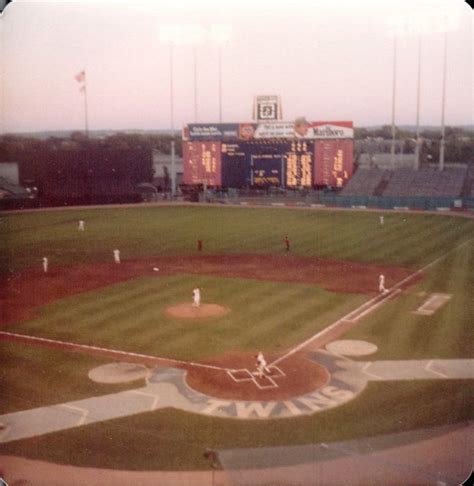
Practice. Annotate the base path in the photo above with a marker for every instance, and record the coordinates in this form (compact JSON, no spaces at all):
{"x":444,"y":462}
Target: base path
{"x":22,"y":293}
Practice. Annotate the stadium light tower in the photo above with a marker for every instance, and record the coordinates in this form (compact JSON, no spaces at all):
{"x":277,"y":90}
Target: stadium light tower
{"x":195,"y":35}
{"x":175,"y":35}
{"x":418,"y":85}
{"x":418,"y":24}
{"x":394,"y":92}
{"x":220,"y":34}
{"x":443,"y":104}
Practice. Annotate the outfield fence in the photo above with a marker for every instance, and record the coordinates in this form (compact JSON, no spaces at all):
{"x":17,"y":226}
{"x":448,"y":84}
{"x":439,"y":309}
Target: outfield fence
{"x":324,"y":198}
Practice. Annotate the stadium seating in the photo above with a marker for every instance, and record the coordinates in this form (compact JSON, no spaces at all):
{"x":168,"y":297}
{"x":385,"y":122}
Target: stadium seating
{"x":366,"y":182}
{"x":428,"y":182}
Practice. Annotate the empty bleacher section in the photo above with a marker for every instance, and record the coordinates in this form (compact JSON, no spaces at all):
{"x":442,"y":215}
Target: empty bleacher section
{"x":384,"y":161}
{"x":426,"y":182}
{"x":366,"y":182}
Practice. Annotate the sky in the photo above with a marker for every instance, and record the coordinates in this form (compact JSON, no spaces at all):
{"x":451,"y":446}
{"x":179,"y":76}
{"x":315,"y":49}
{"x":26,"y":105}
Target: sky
{"x":327,"y":60}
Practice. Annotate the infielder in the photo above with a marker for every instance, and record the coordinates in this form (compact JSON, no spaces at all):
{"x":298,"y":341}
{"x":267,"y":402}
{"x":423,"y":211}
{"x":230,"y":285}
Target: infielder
{"x":196,"y":297}
{"x":287,"y":243}
{"x":382,"y":288}
{"x":117,"y":256}
{"x":81,"y":225}
{"x":45,"y":265}
{"x":261,"y":365}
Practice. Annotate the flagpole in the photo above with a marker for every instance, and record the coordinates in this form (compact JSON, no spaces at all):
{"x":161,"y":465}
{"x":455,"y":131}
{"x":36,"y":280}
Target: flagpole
{"x":86,"y":111}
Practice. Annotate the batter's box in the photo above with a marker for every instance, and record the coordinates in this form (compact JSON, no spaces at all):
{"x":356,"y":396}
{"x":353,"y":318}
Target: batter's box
{"x":275,"y":372}
{"x":240,"y":375}
{"x":264,"y":382}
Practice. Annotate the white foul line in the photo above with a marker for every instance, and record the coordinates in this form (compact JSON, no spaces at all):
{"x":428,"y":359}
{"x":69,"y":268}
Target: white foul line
{"x":370,"y":304}
{"x":428,"y":368}
{"x":366,"y":367}
{"x":155,"y":397}
{"x":83,"y":411}
{"x":108,"y":350}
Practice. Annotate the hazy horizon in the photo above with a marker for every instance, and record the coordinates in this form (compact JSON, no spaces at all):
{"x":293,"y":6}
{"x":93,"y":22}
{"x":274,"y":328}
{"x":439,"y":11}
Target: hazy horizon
{"x":326,"y":60}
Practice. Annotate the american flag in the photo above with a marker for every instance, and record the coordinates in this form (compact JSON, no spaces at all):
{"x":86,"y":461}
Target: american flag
{"x":80,"y":77}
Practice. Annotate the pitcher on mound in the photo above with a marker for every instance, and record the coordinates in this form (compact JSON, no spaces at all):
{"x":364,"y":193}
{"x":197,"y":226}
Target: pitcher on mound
{"x":196,"y":297}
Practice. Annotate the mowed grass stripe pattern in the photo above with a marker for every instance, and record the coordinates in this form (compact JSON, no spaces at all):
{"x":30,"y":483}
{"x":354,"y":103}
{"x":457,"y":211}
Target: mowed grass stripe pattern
{"x":32,"y":376}
{"x":404,"y":239}
{"x":448,"y":333}
{"x":131,"y":316}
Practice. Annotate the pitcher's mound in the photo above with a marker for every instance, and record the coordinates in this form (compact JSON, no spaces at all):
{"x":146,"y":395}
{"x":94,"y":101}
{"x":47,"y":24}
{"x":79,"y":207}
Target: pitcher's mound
{"x":188,"y":311}
{"x":351,"y":347}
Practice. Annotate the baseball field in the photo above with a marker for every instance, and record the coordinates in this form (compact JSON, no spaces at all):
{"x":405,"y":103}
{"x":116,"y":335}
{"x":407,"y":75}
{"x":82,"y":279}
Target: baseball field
{"x":61,"y":328}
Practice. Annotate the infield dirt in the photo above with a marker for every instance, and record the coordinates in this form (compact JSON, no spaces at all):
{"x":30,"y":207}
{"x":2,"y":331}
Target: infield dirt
{"x":23,"y":292}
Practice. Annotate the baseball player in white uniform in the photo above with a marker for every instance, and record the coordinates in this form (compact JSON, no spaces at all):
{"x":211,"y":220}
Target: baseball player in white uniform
{"x":382,"y":288}
{"x":117,"y":256}
{"x":196,"y":297}
{"x":81,"y":225}
{"x":45,"y":264}
{"x":261,"y":365}
{"x":382,"y":220}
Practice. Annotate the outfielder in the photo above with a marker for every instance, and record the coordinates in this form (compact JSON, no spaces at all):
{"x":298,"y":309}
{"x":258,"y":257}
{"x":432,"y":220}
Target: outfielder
{"x":382,"y":288}
{"x":196,"y":297}
{"x":117,"y":256}
{"x":382,"y":220}
{"x":81,"y":225}
{"x":45,"y":264}
{"x":261,"y":365}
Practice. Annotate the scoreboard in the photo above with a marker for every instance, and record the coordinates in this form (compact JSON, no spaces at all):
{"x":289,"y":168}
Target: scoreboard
{"x":268,"y":154}
{"x":299,"y":164}
{"x":266,"y":170}
{"x":235,"y":165}
{"x":202,"y":163}
{"x":333,"y":162}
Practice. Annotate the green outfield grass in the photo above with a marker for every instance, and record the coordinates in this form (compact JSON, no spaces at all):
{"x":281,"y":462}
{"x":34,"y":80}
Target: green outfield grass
{"x":268,"y":315}
{"x":33,"y":377}
{"x":405,"y":239}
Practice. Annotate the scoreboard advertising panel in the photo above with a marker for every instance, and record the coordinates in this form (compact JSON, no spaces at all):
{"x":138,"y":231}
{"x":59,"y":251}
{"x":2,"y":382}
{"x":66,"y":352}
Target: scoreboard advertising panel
{"x":282,"y":154}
